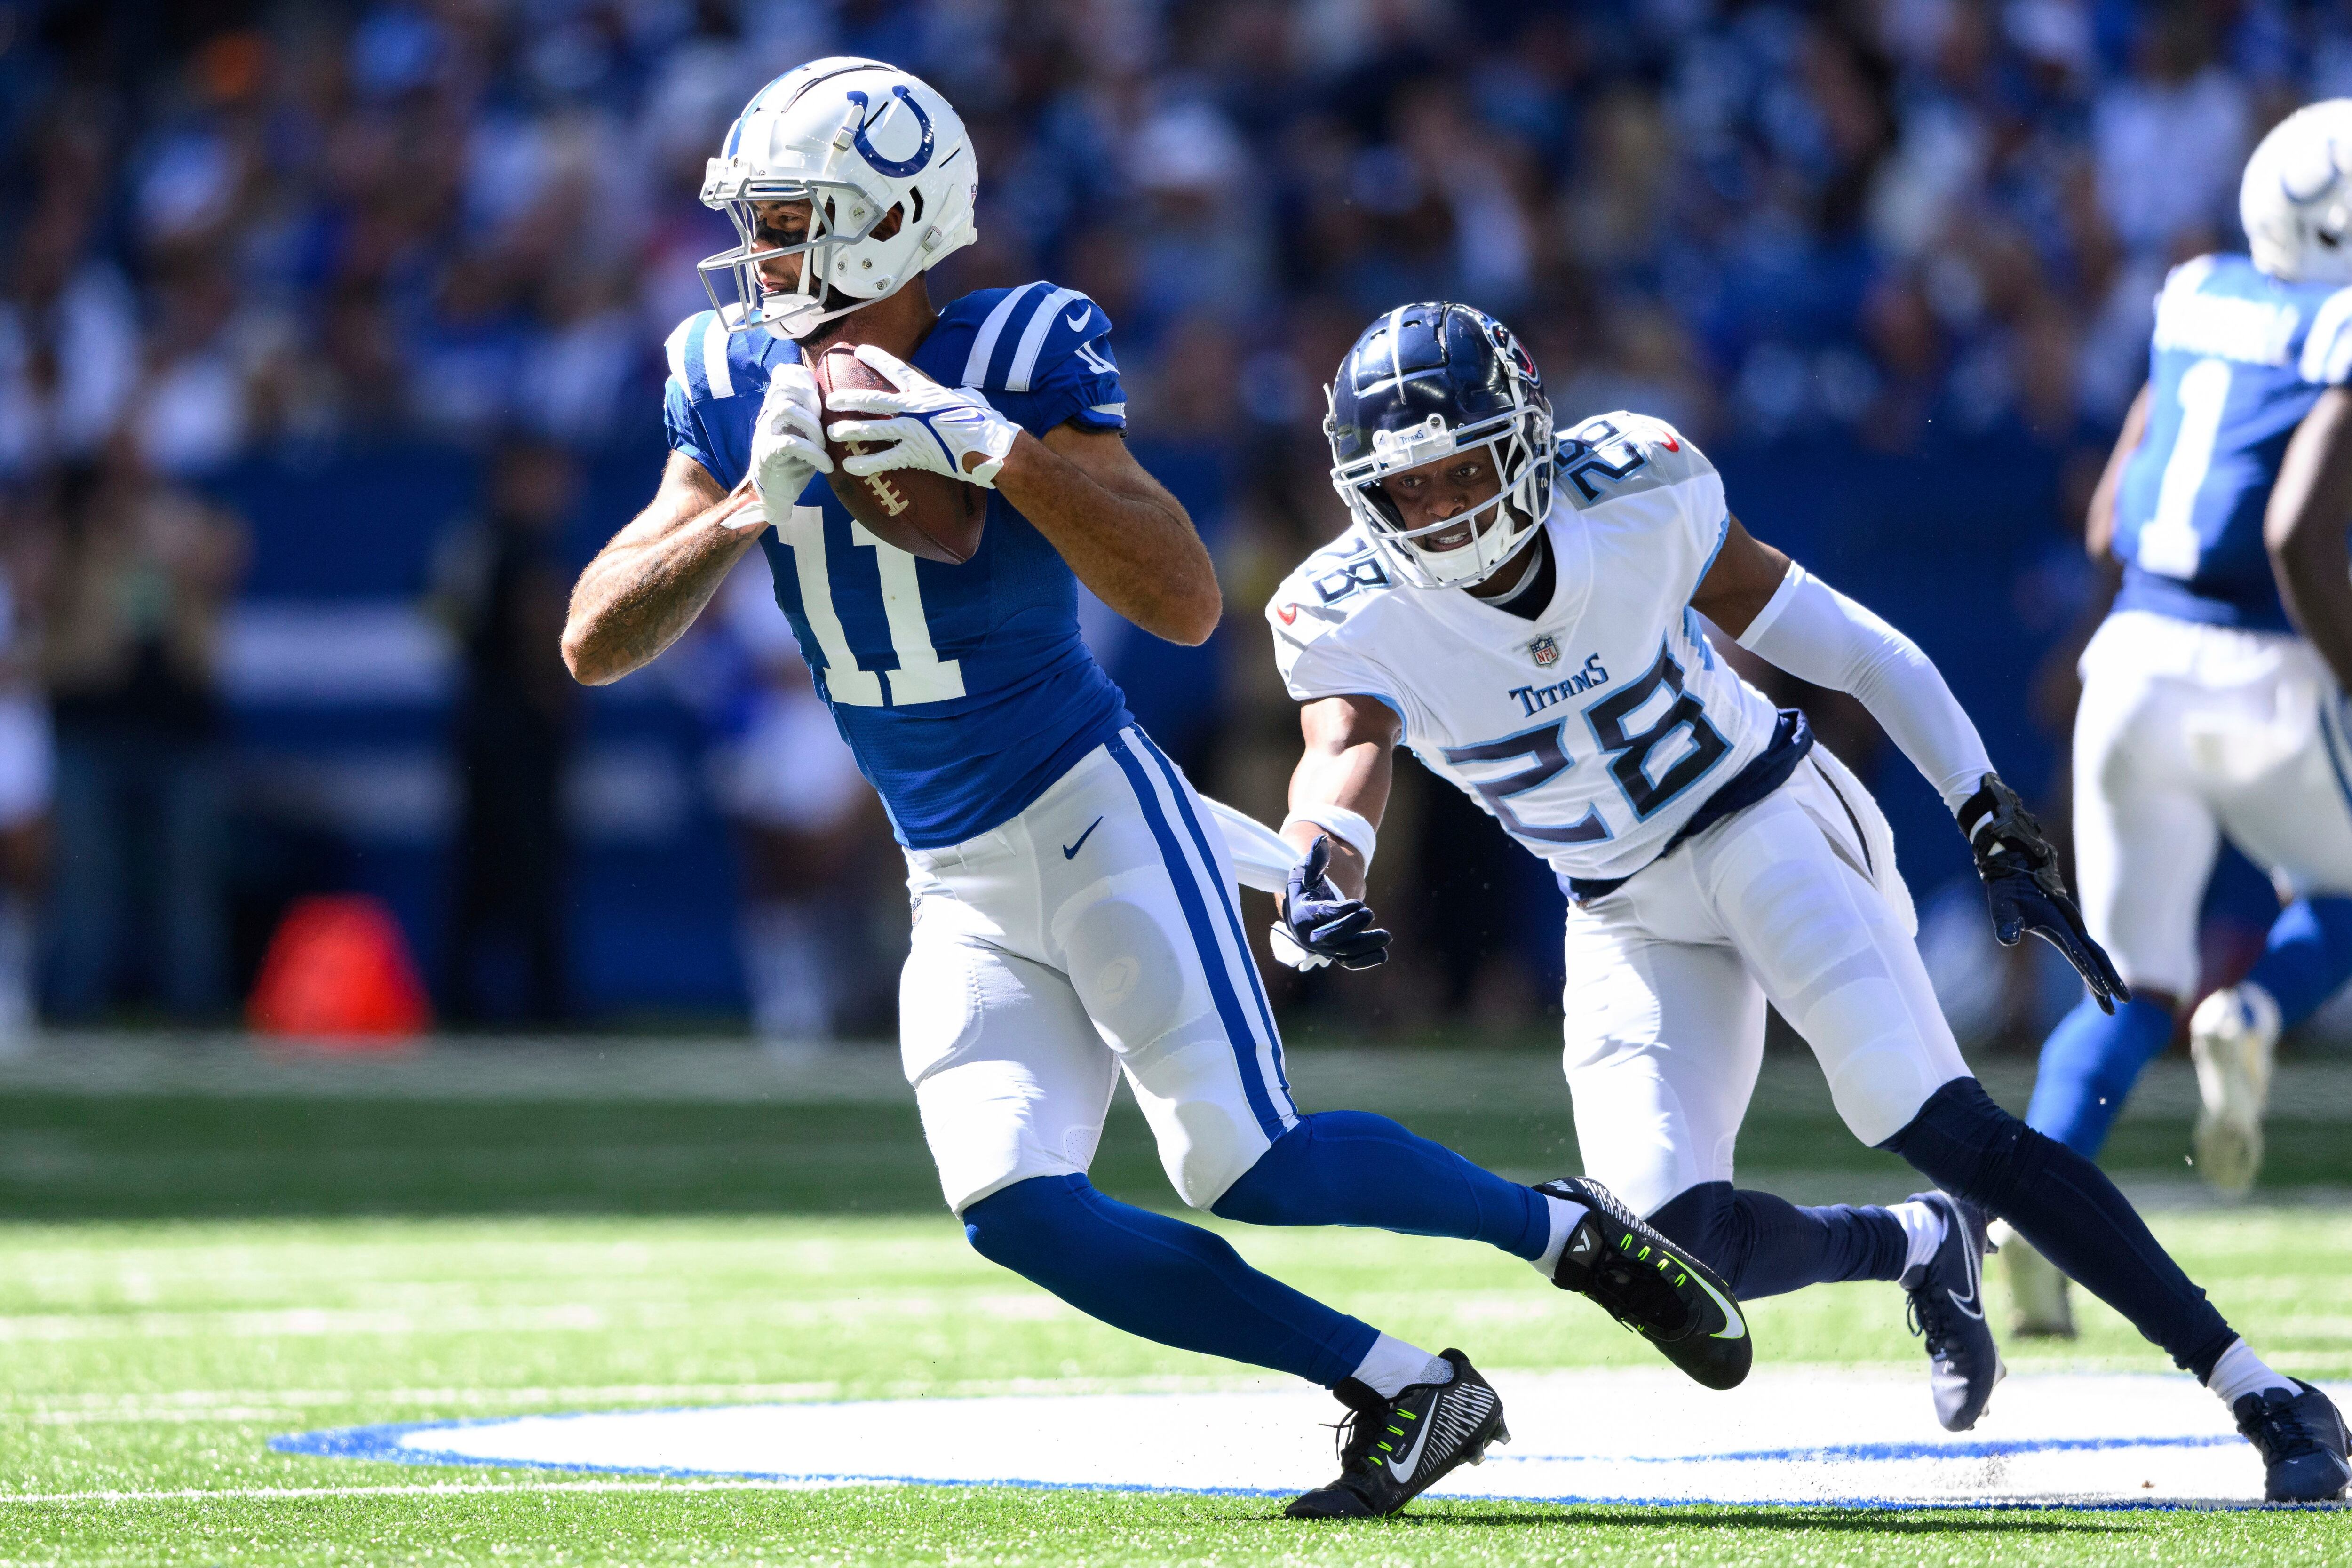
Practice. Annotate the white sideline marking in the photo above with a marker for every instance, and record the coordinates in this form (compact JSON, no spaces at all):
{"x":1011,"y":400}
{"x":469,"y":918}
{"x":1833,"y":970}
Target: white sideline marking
{"x":1790,"y":1436}
{"x":462,"y":1318}
{"x":444,"y":1488}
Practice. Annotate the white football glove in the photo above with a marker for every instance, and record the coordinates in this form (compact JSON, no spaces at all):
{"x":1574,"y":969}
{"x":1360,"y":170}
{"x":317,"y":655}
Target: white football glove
{"x":932,"y":426}
{"x":787,"y":445}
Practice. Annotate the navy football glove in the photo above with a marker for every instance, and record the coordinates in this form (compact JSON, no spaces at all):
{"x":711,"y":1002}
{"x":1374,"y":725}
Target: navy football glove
{"x":2025,"y":892}
{"x":1320,"y":927}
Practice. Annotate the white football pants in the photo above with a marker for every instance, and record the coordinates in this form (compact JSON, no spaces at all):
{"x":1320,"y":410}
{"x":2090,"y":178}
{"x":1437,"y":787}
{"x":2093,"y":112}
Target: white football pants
{"x":2187,"y":732}
{"x":1097,"y":933}
{"x":1797,"y":899}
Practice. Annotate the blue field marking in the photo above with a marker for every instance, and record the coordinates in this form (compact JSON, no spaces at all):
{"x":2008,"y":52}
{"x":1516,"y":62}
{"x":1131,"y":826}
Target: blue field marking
{"x":381,"y":1443}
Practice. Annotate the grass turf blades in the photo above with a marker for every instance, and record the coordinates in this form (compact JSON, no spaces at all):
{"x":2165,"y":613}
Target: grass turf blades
{"x":144,"y":1359}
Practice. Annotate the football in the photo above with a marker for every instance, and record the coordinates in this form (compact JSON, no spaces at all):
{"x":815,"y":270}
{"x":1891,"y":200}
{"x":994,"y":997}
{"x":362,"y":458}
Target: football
{"x":919,"y":512}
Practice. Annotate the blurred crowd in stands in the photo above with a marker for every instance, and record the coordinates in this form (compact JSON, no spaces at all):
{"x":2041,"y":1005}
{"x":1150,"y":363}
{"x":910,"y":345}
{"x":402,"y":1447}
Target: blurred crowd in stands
{"x":237,"y":227}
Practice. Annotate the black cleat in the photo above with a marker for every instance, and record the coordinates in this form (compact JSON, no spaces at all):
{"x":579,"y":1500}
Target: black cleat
{"x":1947,"y":1311}
{"x":1651,"y":1287}
{"x":2301,"y":1440}
{"x":1393,"y":1450}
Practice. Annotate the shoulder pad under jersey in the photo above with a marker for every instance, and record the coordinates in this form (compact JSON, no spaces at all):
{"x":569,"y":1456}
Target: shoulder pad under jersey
{"x":1621,"y":454}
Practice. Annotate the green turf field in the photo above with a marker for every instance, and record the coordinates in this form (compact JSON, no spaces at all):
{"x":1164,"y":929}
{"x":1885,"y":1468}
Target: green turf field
{"x":145,"y":1362}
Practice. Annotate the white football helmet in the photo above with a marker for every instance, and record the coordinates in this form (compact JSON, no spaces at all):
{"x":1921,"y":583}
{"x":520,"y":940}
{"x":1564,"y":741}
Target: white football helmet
{"x":856,"y":139}
{"x":2296,"y":198}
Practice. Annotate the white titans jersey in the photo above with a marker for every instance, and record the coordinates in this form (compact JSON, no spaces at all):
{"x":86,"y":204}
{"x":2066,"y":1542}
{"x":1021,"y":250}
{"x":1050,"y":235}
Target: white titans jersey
{"x":1592,"y":733}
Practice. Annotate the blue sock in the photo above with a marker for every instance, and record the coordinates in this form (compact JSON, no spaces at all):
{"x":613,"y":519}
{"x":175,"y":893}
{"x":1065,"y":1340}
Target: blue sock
{"x":2308,"y":956}
{"x":1161,"y":1279}
{"x":1765,"y":1245}
{"x":1351,"y":1167}
{"x":2072,"y":1213}
{"x":2089,"y":1064}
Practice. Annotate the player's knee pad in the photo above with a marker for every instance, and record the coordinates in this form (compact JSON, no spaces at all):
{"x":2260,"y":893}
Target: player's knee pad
{"x":1206,"y":1145}
{"x":1971,"y":1148}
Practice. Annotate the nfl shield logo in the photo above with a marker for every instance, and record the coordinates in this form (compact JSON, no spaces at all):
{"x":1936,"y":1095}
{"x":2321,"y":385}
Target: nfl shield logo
{"x":1545,"y":650}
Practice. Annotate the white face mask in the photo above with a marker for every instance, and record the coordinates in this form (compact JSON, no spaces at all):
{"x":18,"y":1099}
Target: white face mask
{"x":1500,"y":526}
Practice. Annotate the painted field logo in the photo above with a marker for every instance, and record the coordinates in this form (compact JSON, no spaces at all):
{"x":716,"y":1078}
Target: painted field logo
{"x":1547,"y":652}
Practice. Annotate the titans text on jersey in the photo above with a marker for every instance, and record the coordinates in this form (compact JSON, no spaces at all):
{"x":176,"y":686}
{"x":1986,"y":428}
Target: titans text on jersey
{"x":1593,"y":732}
{"x":2238,"y":359}
{"x":964,"y":690}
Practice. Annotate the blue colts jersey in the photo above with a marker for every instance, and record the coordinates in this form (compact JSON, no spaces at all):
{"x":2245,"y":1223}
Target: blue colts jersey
{"x":963,"y":690}
{"x":2238,"y":359}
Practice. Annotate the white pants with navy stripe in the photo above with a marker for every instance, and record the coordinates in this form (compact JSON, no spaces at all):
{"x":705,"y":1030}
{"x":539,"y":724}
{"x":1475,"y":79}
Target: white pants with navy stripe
{"x":2187,"y":732}
{"x":1795,"y":900}
{"x":1096,"y":934}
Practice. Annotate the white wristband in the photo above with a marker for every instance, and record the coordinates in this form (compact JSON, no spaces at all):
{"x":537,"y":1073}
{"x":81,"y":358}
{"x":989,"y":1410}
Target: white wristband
{"x":1340,"y":822}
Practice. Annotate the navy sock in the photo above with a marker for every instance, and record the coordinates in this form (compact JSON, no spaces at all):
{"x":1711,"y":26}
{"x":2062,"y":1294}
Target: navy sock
{"x":1765,"y":1245}
{"x":2072,"y":1213}
{"x":2308,"y":956}
{"x":1351,"y":1167}
{"x":2089,"y":1064}
{"x":1161,"y":1279}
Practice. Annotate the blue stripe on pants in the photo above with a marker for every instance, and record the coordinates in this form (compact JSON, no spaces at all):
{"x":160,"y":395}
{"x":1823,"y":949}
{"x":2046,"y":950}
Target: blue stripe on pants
{"x":1204,"y":940}
{"x":1233,"y":916}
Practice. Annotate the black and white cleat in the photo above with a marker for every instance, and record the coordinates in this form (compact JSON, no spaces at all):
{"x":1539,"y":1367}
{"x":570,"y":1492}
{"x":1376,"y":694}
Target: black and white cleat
{"x":1651,"y":1285}
{"x":1947,"y":1311}
{"x":2303,"y":1443}
{"x":1393,"y":1450}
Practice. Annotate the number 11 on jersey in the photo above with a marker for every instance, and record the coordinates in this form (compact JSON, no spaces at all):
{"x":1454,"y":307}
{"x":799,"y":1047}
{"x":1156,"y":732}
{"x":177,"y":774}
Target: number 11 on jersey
{"x":922,"y":676}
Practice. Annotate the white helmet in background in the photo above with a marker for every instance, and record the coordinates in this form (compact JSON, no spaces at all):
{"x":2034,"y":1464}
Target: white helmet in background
{"x":2296,"y":199}
{"x":857,"y":139}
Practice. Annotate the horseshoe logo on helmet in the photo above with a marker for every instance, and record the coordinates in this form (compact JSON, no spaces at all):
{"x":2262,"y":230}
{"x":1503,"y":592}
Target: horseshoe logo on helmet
{"x":896,"y":168}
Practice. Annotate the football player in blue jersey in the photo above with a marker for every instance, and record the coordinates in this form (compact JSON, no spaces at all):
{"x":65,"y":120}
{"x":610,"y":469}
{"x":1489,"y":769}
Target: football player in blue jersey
{"x":2204,"y":713}
{"x":1075,"y":909}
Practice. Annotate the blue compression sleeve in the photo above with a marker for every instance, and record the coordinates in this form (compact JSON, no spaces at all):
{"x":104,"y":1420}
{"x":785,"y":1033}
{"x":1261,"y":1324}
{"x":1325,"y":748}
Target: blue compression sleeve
{"x":1161,"y":1279}
{"x":1767,"y":1246}
{"x":2089,"y":1064}
{"x":1351,"y":1167}
{"x":2308,"y":957}
{"x":2072,"y":1213}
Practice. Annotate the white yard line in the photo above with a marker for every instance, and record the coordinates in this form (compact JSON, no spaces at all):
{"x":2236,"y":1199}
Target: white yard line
{"x":452,"y":1489}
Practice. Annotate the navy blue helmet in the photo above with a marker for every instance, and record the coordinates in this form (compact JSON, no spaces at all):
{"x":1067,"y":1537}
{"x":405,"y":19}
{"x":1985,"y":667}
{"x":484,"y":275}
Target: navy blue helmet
{"x":1424,"y":382}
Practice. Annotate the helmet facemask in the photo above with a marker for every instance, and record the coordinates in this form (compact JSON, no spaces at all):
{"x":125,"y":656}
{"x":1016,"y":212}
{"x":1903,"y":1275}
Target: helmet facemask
{"x":1517,"y":441}
{"x":840,"y":216}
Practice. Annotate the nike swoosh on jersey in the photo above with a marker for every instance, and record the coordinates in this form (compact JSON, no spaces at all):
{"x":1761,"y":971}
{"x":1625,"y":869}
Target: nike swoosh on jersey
{"x":1076,"y":322}
{"x":1411,"y":1454}
{"x":1070,"y":851}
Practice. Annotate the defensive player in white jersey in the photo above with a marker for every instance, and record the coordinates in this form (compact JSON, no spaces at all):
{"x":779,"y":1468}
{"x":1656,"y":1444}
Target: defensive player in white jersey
{"x":1525,"y":615}
{"x":1074,"y":907}
{"x":2225,"y":504}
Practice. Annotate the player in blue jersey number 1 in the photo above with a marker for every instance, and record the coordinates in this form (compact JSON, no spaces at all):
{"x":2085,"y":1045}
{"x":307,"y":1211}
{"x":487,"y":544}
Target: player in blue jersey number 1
{"x":2204,"y":713}
{"x":1524,"y":613}
{"x":1076,"y":916}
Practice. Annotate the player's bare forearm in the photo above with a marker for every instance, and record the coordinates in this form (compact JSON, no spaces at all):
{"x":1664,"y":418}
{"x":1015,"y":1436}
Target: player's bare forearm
{"x":1347,"y":761}
{"x":651,"y":579}
{"x":1119,"y":530}
{"x":2310,"y":509}
{"x":2099,"y":517}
